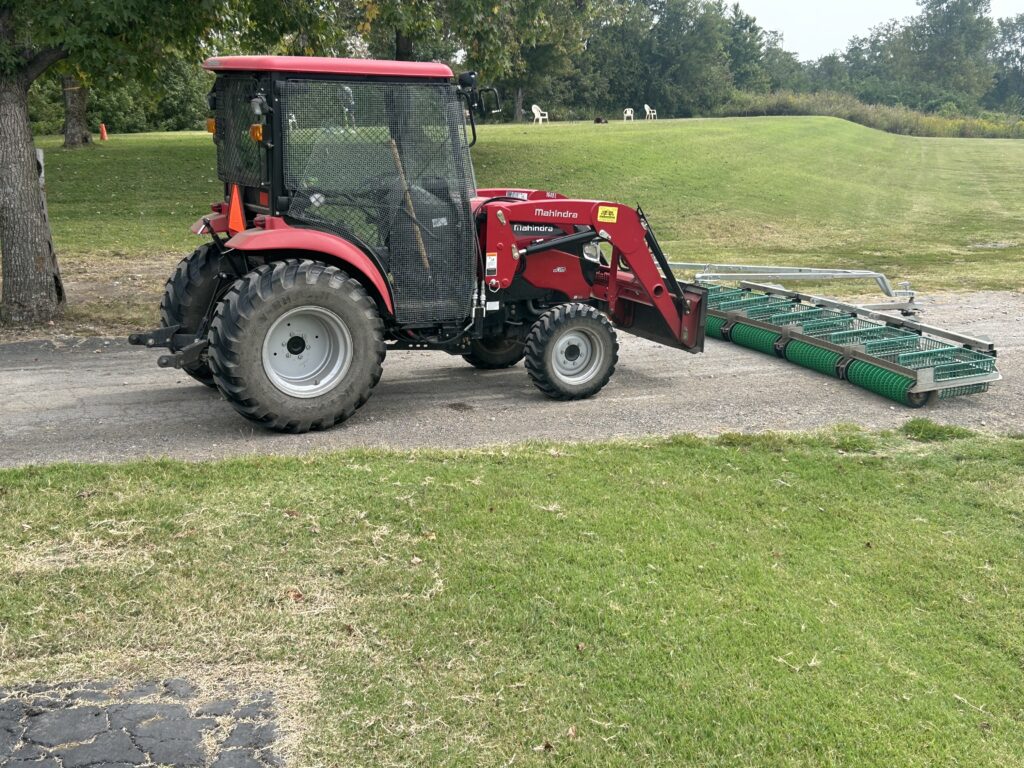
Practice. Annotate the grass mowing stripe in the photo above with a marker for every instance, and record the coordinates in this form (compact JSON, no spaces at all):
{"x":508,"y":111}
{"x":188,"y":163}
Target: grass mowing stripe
{"x":840,"y":599}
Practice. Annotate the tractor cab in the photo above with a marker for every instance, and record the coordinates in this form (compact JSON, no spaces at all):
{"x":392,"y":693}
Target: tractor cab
{"x":373,"y":152}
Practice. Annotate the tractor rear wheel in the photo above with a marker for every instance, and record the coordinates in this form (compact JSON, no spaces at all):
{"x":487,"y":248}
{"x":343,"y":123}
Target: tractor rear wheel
{"x":187,"y":295}
{"x":492,"y":354}
{"x":571,"y":352}
{"x":296,"y":345}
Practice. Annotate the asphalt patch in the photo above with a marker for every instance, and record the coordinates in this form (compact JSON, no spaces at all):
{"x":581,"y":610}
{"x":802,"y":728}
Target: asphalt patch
{"x":106,"y":724}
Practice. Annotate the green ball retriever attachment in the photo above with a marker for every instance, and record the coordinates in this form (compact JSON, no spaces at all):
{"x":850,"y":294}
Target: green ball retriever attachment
{"x":900,"y":359}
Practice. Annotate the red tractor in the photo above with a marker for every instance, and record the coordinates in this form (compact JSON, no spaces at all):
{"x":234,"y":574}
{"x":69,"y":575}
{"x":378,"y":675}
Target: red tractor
{"x":351,"y":224}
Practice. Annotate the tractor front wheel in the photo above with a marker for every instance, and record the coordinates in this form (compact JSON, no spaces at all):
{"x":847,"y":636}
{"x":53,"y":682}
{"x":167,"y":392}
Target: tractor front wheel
{"x":296,"y":345}
{"x":493,"y":354}
{"x":571,"y":352}
{"x":187,"y":296}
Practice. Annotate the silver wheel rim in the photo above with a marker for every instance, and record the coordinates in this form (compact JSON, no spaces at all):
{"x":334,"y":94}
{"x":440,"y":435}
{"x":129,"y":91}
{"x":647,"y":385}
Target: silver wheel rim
{"x":307,"y":351}
{"x":577,"y":356}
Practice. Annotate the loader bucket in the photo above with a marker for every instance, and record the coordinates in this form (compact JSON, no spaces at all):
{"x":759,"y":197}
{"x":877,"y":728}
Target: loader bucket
{"x":684,"y":330}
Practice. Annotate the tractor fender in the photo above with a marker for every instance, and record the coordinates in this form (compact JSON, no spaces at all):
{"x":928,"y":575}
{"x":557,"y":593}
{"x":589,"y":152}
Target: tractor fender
{"x":318,"y":246}
{"x":216,"y":222}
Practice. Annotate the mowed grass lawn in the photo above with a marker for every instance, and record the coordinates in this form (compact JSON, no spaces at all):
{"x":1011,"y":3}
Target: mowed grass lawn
{"x":945,"y":213}
{"x":841,"y":599}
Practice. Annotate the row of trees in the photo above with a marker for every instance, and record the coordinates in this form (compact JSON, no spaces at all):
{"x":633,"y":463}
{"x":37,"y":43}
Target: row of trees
{"x":690,"y":56}
{"x":951,"y":57}
{"x":580,"y":58}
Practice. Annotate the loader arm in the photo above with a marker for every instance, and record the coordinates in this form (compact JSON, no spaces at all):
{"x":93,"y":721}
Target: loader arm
{"x":635,"y":286}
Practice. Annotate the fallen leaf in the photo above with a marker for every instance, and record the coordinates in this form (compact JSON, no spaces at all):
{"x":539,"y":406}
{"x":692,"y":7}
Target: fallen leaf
{"x":291,"y":513}
{"x":296,"y":595}
{"x":547,"y":746}
{"x":416,"y":560}
{"x":571,"y":733}
{"x":85,"y":494}
{"x":581,"y":647}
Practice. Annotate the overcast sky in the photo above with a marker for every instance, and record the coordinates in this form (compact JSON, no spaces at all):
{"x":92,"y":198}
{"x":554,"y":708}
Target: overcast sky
{"x":813,"y":28}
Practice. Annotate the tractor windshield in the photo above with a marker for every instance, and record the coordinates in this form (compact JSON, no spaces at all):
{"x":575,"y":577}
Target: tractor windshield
{"x":386,"y":165}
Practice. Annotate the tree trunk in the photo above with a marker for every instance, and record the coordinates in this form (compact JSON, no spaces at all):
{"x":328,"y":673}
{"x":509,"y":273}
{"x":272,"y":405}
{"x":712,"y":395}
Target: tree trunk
{"x":403,"y":46}
{"x":519,"y":105}
{"x":76,"y":98}
{"x":32,"y":289}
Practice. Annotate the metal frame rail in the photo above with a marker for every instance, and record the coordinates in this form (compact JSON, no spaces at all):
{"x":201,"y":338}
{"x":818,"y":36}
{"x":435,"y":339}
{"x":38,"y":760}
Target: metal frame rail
{"x":715,"y":273}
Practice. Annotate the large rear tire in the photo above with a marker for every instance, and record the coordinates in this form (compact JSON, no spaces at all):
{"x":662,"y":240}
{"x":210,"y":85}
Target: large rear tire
{"x":494,"y":354}
{"x":571,"y":352}
{"x":187,"y":295}
{"x":296,"y":345}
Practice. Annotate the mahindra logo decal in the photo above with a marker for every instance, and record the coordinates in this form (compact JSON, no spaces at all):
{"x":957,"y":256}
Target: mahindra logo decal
{"x":556,"y":214}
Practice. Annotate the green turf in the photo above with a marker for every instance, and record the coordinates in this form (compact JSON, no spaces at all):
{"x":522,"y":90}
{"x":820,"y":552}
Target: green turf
{"x":814,"y":191}
{"x":840,"y":599}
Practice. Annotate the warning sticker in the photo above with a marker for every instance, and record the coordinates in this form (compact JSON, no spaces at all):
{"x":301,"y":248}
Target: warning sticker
{"x":608,"y":214}
{"x":492,"y":264}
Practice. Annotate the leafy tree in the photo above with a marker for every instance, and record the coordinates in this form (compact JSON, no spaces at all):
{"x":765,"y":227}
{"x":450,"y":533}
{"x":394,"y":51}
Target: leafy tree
{"x":940,"y":59}
{"x":1008,"y":56}
{"x":881,"y":65}
{"x":746,"y":49}
{"x":954,"y":39}
{"x":35,"y":35}
{"x":689,"y":66}
{"x":829,"y":73}
{"x":613,"y":67}
{"x":485,"y":30}
{"x":785,"y":72}
{"x":549,"y":49}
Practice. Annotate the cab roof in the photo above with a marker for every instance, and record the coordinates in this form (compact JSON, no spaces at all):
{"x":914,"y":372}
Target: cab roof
{"x":323,"y":65}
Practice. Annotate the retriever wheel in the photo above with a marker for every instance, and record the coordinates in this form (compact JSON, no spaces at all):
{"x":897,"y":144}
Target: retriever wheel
{"x":296,"y":345}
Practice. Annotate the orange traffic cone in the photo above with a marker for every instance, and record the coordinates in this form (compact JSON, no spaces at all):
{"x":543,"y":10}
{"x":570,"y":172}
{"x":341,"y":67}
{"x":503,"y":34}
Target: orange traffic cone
{"x":103,"y":131}
{"x":236,"y":214}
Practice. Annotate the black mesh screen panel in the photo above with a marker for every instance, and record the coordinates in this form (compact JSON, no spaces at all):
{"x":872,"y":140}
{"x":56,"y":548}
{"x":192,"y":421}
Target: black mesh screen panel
{"x":387,"y":164}
{"x":238,"y":156}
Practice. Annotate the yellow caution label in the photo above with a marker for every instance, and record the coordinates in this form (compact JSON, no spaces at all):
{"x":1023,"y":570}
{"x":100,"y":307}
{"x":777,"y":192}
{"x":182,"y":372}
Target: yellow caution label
{"x":609,"y":214}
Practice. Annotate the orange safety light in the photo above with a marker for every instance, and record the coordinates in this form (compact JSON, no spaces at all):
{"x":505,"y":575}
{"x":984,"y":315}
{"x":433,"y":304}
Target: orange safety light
{"x":256,"y":132}
{"x":236,"y":214}
{"x":211,"y":125}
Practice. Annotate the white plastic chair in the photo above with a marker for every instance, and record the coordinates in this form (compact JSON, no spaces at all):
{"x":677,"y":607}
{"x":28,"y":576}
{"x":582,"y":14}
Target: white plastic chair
{"x":293,"y":122}
{"x":539,"y":115}
{"x":627,"y":114}
{"x":651,"y":114}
